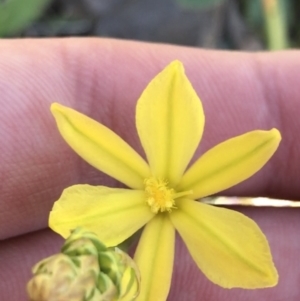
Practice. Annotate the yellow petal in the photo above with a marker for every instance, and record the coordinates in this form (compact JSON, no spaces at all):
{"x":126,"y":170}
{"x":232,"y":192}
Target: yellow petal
{"x":113,"y":214}
{"x":227,"y":246}
{"x":154,"y":257}
{"x":230,"y":163}
{"x":100,"y":146}
{"x":170,"y":122}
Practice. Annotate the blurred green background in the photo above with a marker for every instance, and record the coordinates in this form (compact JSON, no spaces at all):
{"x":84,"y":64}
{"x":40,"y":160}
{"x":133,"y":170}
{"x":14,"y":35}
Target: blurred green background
{"x":226,"y":24}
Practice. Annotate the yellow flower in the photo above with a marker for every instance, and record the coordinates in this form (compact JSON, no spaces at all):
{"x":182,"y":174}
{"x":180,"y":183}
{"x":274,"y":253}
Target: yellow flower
{"x":227,"y":246}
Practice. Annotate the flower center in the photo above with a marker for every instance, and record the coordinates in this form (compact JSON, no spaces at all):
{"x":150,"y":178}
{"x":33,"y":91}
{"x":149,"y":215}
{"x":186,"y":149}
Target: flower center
{"x":159,"y":196}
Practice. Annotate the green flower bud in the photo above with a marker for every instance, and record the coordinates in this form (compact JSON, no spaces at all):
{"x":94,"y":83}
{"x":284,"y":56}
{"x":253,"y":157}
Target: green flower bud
{"x":85,"y":270}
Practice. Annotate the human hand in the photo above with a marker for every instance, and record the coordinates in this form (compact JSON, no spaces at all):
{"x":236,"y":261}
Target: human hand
{"x":103,"y":79}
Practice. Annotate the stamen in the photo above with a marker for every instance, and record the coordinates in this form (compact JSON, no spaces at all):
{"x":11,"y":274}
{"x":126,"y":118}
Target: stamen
{"x":183,"y":193}
{"x":159,"y":196}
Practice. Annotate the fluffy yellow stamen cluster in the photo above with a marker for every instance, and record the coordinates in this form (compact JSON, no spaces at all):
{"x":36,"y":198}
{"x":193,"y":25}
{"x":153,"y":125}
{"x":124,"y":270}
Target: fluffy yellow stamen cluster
{"x":159,"y":196}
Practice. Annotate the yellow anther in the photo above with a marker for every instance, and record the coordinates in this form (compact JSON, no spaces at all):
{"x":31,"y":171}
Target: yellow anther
{"x":159,"y":196}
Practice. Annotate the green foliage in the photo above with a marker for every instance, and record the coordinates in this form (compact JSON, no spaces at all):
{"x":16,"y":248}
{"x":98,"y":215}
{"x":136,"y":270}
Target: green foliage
{"x":15,"y":15}
{"x":275,"y":21}
{"x":253,"y":12}
{"x":201,"y":4}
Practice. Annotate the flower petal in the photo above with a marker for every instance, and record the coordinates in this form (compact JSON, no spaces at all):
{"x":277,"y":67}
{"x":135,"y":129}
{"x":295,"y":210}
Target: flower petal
{"x":230,"y":163}
{"x":170,"y":122}
{"x":154,"y":257}
{"x":113,"y":214}
{"x":227,"y":246}
{"x":101,"y":147}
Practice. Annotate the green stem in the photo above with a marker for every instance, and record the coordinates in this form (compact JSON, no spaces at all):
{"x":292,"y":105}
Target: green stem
{"x":275,"y":23}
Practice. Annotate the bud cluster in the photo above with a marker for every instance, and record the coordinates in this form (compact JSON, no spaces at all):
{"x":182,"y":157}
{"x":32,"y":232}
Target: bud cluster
{"x":85,"y":270}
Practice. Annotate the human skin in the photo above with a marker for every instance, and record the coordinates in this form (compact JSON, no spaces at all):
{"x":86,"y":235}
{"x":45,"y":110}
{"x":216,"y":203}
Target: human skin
{"x":103,"y":79}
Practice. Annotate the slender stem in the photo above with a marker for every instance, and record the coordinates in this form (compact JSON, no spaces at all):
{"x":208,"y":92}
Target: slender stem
{"x":275,"y":23}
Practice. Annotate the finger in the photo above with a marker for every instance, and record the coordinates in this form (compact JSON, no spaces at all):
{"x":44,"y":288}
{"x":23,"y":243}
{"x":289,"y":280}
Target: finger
{"x":19,"y":254}
{"x":103,"y":79}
